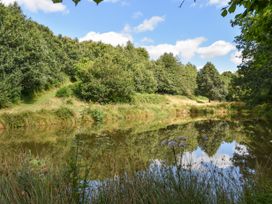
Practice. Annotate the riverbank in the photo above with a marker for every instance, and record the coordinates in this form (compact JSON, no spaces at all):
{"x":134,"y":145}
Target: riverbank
{"x":53,"y":111}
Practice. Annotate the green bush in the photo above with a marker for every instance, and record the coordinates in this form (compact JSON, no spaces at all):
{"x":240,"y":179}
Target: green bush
{"x":97,"y":115}
{"x":64,"y":92}
{"x":64,"y":113}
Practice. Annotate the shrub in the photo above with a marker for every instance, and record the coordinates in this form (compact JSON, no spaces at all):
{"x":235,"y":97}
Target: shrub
{"x":97,"y":115}
{"x":64,"y":92}
{"x":64,"y":113}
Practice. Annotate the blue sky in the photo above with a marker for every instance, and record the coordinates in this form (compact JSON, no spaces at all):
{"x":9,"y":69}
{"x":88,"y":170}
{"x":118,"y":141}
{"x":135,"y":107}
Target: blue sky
{"x":195,"y":33}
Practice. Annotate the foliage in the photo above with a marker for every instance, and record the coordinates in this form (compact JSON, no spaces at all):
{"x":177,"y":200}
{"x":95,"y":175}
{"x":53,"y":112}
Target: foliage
{"x":254,"y":80}
{"x":34,"y":60}
{"x":106,"y":82}
{"x":173,"y":77}
{"x":65,"y":92}
{"x":227,"y":78}
{"x":210,"y":83}
{"x":97,"y":114}
{"x":29,"y":61}
{"x":253,"y":83}
{"x":64,"y":113}
{"x":144,"y":79}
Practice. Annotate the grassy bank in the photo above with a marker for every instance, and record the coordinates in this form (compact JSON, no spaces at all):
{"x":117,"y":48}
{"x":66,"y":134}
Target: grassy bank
{"x":48,"y":110}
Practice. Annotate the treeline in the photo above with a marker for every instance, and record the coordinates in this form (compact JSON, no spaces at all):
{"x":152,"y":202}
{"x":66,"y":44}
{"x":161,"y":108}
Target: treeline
{"x":253,"y":83}
{"x":33,"y":59}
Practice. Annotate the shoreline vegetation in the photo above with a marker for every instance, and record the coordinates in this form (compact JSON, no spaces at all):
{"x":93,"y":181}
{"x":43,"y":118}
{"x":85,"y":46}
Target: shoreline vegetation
{"x":52,"y":111}
{"x":35,"y":183}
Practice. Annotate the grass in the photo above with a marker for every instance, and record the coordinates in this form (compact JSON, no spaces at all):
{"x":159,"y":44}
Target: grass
{"x":138,"y":99}
{"x":35,"y":182}
{"x":39,"y":118}
{"x":46,"y":108}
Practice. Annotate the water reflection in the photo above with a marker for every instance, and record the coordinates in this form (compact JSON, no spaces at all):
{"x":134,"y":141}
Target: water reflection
{"x":231,"y":146}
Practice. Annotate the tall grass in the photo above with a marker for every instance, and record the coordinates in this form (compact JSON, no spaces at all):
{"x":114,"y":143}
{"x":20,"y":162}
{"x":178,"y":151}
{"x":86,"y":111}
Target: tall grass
{"x":37,"y":183}
{"x":139,"y":99}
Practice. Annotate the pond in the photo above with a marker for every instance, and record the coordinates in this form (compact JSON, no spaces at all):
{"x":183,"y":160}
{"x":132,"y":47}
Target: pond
{"x":228,"y":147}
{"x":109,"y":153}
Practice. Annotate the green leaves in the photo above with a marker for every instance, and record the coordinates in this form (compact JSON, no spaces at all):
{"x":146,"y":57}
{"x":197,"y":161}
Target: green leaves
{"x":97,"y":1}
{"x":232,"y":8}
{"x":224,"y":12}
{"x":210,"y":84}
{"x":76,"y":1}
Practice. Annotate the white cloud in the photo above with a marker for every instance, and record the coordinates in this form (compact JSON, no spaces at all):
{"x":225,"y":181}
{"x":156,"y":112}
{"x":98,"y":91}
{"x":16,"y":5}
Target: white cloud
{"x":39,"y":5}
{"x":184,"y":48}
{"x":218,"y":48}
{"x":236,"y":57}
{"x":137,"y":15}
{"x":112,"y":38}
{"x":219,"y":2}
{"x":149,"y":24}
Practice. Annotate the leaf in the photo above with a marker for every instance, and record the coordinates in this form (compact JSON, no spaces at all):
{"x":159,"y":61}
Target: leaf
{"x":232,"y":8}
{"x":76,"y":1}
{"x":97,"y":1}
{"x":224,"y":13}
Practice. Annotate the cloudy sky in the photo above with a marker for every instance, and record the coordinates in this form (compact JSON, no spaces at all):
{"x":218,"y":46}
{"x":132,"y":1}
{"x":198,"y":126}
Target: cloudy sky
{"x":195,"y":33}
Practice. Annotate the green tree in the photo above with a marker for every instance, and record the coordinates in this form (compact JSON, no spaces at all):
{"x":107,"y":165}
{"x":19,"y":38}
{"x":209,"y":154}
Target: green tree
{"x":144,"y":79}
{"x":210,"y":84}
{"x":167,"y":73}
{"x":105,"y":82}
{"x":254,"y":80}
{"x":227,"y":77}
{"x":28,"y":53}
{"x":188,"y":79}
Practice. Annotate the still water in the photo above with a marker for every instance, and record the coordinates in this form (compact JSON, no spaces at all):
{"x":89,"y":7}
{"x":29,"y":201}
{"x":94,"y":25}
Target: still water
{"x":235,"y":147}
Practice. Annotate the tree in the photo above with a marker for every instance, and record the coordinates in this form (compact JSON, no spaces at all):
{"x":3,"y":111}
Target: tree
{"x":210,"y":84}
{"x":227,"y":78}
{"x":188,"y":79}
{"x":255,"y":73}
{"x":167,"y":74}
{"x":28,"y":55}
{"x":105,"y":82}
{"x":144,"y":79}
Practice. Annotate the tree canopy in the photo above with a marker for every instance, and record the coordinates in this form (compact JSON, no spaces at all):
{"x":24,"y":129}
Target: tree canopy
{"x":254,"y":81}
{"x":210,"y":84}
{"x":33,"y":59}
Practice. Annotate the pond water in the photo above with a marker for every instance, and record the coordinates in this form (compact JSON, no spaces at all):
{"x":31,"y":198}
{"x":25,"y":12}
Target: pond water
{"x":235,"y":147}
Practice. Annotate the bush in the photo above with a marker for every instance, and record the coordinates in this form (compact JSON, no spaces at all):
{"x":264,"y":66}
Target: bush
{"x":64,"y":113}
{"x":64,"y":92}
{"x":97,"y":115}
